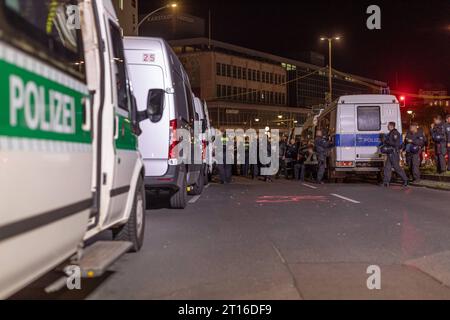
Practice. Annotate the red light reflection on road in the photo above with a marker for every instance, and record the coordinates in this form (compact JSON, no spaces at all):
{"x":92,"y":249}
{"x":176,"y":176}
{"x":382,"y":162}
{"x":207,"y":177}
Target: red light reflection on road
{"x":290,"y":199}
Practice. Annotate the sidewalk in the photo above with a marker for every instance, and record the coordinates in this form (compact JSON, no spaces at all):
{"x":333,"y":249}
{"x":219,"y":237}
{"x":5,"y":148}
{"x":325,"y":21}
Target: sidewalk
{"x":432,"y":184}
{"x":434,"y":181}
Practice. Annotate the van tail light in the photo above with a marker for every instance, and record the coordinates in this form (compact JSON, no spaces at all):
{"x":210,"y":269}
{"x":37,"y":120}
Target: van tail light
{"x":204,"y":145}
{"x":345,"y":164}
{"x":173,"y":140}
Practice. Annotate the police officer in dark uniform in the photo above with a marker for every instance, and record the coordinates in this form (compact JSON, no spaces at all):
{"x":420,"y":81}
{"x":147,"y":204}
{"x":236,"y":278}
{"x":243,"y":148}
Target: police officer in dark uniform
{"x":391,"y":147}
{"x":414,"y":142}
{"x":322,"y":147}
{"x":440,"y":144}
{"x":447,"y":134}
{"x":226,"y":169}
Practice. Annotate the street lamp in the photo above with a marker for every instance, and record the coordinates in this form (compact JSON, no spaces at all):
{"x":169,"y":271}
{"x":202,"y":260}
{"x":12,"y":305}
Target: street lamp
{"x":170,"y":5}
{"x":330,"y":70}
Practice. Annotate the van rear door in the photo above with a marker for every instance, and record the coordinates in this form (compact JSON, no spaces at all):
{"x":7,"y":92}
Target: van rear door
{"x":154,"y":141}
{"x":346,"y":127}
{"x":368,"y":126}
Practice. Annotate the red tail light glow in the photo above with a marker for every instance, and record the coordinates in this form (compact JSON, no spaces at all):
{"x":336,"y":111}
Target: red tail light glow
{"x":173,"y":139}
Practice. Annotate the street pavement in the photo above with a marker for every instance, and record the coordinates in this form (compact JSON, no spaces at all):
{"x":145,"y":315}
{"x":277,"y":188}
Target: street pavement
{"x":285,"y":240}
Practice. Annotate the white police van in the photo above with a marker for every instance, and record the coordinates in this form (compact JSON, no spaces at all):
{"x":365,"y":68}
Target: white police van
{"x":163,"y":89}
{"x":69,"y":164}
{"x":356,"y":124}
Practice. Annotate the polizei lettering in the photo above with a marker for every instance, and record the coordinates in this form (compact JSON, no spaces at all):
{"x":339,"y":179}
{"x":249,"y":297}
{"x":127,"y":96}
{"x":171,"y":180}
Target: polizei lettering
{"x":39,"y":108}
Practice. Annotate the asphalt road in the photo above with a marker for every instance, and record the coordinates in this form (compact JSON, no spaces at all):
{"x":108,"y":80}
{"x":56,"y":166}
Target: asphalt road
{"x":285,"y":240}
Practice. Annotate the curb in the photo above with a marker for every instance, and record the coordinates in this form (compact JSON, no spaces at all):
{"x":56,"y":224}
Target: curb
{"x":438,"y":178}
{"x":429,"y":187}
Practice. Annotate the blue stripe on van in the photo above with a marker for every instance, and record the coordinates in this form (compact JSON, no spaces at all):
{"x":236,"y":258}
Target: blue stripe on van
{"x":358,"y":140}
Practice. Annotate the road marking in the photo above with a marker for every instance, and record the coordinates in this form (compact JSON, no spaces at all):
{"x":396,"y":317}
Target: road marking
{"x":207,"y":186}
{"x":344,"y":198}
{"x":194,"y":199}
{"x":309,"y":186}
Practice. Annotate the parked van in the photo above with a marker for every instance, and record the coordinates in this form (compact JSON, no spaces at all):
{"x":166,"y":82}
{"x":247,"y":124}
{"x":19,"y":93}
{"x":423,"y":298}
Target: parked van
{"x":161,"y":86}
{"x":356,"y":124}
{"x":204,"y":127}
{"x":70,"y":167}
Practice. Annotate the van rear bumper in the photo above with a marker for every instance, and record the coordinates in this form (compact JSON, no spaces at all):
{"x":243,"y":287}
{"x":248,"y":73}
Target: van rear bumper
{"x":169,"y":181}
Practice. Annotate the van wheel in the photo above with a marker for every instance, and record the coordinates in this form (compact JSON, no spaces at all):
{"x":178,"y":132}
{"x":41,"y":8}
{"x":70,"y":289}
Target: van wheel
{"x":380,"y":177}
{"x":197,"y":189}
{"x":133,"y":231}
{"x":206,"y":176}
{"x":179,"y":199}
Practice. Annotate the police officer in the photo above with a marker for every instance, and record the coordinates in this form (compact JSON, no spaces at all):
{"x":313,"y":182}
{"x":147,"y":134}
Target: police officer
{"x":447,"y":134}
{"x":291,"y":157}
{"x":226,"y":169}
{"x":392,"y":142}
{"x":282,"y":155}
{"x":414,"y":142}
{"x":322,"y":146}
{"x":440,"y":143}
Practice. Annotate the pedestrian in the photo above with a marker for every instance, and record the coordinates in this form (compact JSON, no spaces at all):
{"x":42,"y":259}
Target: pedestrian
{"x":322,"y":146}
{"x":268,"y":178}
{"x":391,"y":147}
{"x":245,"y":167}
{"x":225,"y":169}
{"x":414,"y":143}
{"x":282,"y":155}
{"x":307,"y":163}
{"x":438,"y":135}
{"x":291,"y":157}
{"x":447,"y":135}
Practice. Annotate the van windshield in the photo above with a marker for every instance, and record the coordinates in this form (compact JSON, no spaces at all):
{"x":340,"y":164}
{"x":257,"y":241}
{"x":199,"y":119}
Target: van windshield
{"x":369,"y":118}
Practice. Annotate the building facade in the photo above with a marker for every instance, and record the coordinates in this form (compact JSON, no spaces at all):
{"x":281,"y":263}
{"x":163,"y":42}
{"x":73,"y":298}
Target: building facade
{"x":127,"y":13}
{"x":248,"y":88}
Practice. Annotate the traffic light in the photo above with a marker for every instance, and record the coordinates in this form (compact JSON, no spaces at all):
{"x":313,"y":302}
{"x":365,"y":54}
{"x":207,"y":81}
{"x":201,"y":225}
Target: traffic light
{"x":402,"y":101}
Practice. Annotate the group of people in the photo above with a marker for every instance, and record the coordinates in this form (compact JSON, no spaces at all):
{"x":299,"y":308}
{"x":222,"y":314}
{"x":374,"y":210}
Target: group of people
{"x":308,"y":159}
{"x":414,"y":145}
{"x":305,"y":159}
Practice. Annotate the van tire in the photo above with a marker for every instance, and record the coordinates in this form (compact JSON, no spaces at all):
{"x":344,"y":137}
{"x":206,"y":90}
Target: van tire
{"x":179,"y":199}
{"x":134,"y":230}
{"x":197,"y":189}
{"x":206,"y":175}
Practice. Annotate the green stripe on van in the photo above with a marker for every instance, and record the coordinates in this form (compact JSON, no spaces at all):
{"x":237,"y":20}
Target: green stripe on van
{"x":127,"y":140}
{"x":32,"y":106}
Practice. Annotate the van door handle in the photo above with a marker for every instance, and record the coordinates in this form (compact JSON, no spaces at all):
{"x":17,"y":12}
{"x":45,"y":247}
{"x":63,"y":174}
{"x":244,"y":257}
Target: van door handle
{"x":87,"y":113}
{"x":116,"y":127}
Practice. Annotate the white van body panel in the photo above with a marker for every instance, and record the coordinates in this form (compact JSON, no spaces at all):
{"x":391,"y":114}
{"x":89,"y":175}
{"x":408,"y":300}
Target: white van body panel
{"x":41,"y":227}
{"x":119,"y":165}
{"x":45,"y":182}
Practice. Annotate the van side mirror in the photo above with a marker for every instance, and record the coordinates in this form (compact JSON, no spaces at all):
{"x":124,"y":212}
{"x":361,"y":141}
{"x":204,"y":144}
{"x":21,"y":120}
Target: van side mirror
{"x":155,"y":104}
{"x":136,"y":117}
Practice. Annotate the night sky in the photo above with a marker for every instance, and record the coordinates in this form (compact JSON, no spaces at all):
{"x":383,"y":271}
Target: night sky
{"x":411,"y":50}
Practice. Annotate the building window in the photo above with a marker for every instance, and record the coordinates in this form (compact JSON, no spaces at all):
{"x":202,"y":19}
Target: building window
{"x":218,"y":69}
{"x":258,"y":76}
{"x":244,"y":74}
{"x":263,"y":77}
{"x":218,"y":91}
{"x":228,"y":71}
{"x":239,"y":73}
{"x":234,"y":72}
{"x":224,"y":70}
